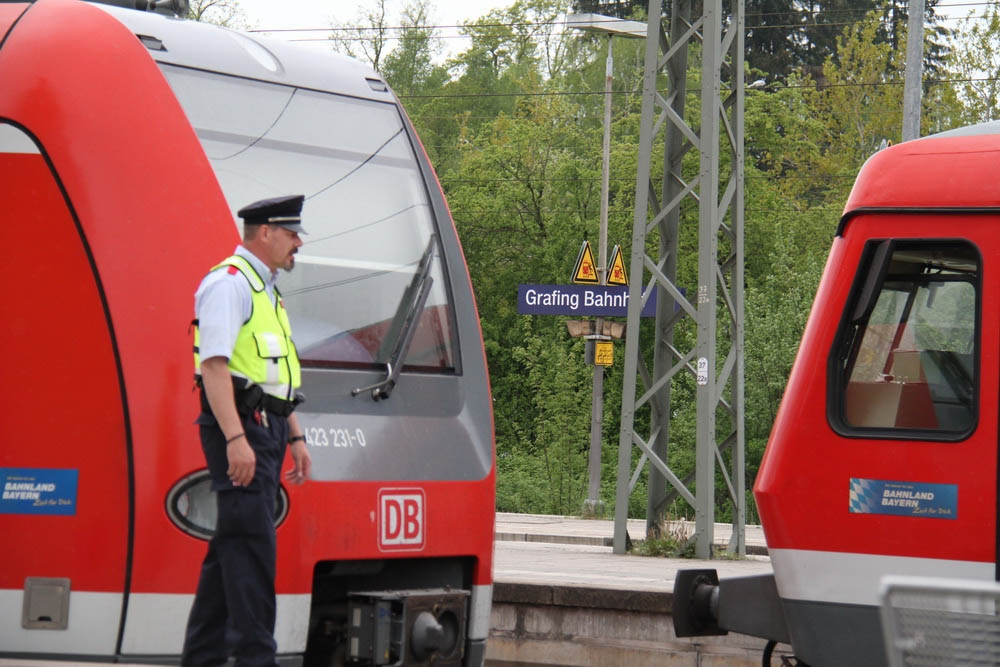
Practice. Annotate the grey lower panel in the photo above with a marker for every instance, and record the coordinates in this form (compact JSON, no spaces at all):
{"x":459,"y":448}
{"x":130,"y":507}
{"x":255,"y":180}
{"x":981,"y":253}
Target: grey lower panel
{"x":475,"y":652}
{"x":283,"y":660}
{"x":832,"y":635}
{"x":751,"y":606}
{"x":56,"y":657}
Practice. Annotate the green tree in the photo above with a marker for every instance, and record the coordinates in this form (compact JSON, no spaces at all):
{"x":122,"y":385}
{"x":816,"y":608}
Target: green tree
{"x":514,"y":132}
{"x":975,"y":64}
{"x":821,"y":134}
{"x":409,"y":66}
{"x":226,"y":13}
{"x":773,"y":36}
{"x":366,"y":37}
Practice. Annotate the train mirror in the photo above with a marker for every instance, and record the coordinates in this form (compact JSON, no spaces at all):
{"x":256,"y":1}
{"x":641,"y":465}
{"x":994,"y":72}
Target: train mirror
{"x":873,"y":279}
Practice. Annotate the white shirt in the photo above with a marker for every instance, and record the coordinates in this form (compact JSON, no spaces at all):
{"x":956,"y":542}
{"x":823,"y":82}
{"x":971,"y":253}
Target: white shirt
{"x":223,"y":303}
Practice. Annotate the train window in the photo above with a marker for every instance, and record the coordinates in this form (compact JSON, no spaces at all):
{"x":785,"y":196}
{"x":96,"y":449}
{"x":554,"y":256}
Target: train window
{"x":905,"y":358}
{"x":367,"y":212}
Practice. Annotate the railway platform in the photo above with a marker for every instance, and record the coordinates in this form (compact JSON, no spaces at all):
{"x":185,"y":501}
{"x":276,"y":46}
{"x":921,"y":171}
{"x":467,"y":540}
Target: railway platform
{"x":561,"y":597}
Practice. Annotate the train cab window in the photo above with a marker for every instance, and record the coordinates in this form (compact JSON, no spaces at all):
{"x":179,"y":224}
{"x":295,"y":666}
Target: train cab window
{"x":369,"y":220}
{"x":905,"y":356}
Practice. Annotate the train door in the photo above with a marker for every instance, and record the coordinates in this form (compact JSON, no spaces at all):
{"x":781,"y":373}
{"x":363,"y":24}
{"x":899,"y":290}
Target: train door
{"x":913,"y":397}
{"x":64,"y":472}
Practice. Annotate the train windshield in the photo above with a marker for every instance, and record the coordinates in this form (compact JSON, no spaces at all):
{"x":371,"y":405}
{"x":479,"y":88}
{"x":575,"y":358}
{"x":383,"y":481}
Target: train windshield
{"x":367,"y":213}
{"x":908,"y":357}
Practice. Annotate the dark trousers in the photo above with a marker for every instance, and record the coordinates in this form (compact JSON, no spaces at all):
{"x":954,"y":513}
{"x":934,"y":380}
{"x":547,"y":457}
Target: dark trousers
{"x":234,"y":607}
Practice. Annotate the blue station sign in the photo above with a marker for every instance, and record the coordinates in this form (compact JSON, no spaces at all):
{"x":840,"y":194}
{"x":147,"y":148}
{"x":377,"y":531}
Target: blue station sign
{"x":578,"y":300}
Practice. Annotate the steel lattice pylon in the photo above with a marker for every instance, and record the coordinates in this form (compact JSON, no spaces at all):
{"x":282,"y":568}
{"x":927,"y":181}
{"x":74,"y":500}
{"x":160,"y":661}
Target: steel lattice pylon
{"x":720,"y":270}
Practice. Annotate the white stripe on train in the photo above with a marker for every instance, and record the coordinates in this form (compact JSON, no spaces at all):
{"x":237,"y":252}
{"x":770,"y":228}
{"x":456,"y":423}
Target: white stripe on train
{"x":853,"y":578}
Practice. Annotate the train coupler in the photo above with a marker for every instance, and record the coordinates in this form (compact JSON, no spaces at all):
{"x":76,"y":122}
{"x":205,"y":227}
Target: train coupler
{"x":748,"y":605}
{"x":696,"y":604}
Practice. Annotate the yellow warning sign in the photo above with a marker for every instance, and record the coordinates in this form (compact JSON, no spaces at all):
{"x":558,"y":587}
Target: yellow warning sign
{"x":586,"y":269}
{"x":604,"y":352}
{"x":616,"y":269}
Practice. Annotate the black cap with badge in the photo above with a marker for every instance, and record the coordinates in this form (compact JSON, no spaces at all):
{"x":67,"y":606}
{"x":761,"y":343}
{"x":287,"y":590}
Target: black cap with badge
{"x":285,"y":211}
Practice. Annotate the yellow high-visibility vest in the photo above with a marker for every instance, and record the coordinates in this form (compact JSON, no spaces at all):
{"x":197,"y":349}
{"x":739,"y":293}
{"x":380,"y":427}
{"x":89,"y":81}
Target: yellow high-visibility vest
{"x":264,"y":352}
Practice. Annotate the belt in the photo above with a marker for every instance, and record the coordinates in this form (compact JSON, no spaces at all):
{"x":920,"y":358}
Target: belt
{"x":252,"y":398}
{"x":278,"y":406}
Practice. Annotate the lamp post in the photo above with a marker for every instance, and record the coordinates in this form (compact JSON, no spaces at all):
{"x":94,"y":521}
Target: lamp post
{"x":609,"y":26}
{"x":912,"y":85}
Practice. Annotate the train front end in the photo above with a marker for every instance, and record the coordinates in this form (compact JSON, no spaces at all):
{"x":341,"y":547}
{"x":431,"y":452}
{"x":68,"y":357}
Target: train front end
{"x":128,"y":140}
{"x":883,"y":456}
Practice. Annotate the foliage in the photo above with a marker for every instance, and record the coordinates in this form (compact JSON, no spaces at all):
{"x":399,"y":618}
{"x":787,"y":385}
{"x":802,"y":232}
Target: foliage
{"x":408,"y":67}
{"x":862,"y":107}
{"x":366,"y":37}
{"x":975,"y":64}
{"x":665,"y":546}
{"x":617,"y":8}
{"x":226,"y":13}
{"x":772,"y":37}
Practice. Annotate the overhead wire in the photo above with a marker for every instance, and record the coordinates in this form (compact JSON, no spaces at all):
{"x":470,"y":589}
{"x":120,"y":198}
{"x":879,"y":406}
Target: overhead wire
{"x":769,"y":88}
{"x":430,"y":29}
{"x":539,"y":24}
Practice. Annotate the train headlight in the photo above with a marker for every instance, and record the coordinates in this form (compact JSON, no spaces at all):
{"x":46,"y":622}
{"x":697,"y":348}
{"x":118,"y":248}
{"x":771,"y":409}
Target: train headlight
{"x":191,"y":505}
{"x":407,"y":627}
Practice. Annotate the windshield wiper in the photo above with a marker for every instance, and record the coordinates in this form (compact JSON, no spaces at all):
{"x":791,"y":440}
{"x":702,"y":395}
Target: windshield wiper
{"x":411,"y":305}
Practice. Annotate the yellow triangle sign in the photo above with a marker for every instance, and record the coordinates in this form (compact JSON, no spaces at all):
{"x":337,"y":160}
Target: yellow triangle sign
{"x":586,"y":270}
{"x":616,"y":269}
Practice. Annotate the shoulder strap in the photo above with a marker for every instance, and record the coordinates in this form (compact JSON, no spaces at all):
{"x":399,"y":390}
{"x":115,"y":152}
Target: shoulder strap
{"x":244,"y":267}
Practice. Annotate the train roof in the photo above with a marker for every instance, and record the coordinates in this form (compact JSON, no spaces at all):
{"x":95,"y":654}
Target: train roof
{"x":952,"y":171}
{"x":209,"y":47}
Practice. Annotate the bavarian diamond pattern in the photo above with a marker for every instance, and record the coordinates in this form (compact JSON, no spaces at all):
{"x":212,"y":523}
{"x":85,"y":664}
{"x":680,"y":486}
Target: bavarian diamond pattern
{"x":864,"y":499}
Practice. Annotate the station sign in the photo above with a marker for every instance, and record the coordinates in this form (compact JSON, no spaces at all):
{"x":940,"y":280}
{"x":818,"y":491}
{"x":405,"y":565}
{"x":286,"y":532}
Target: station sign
{"x":579,"y":300}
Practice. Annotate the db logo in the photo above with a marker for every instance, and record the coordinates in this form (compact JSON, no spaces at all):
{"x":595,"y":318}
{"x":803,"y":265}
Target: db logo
{"x":401,"y":520}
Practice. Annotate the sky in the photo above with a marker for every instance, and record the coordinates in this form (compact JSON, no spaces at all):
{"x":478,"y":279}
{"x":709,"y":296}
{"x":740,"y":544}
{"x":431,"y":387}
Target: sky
{"x":289,"y":14}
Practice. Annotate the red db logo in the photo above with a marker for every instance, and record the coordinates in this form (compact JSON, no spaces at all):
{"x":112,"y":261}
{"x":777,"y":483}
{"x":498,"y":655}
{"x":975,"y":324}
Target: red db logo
{"x":401,"y":520}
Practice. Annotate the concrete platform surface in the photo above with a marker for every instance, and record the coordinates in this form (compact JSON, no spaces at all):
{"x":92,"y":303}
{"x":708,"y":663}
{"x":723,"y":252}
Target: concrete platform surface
{"x":590,"y":566}
{"x":600,"y":532}
{"x":559,"y":604}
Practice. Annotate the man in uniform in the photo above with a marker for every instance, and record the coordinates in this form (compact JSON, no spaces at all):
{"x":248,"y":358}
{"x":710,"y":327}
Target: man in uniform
{"x":248,"y":370}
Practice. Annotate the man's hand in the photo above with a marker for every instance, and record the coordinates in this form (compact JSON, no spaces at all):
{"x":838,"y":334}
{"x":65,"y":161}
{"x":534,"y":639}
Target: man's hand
{"x":303,"y":463}
{"x":218,"y":384}
{"x":242,"y":461}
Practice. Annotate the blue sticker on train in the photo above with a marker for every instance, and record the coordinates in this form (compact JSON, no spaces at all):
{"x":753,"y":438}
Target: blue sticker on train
{"x":877,"y":496}
{"x":38,"y":491}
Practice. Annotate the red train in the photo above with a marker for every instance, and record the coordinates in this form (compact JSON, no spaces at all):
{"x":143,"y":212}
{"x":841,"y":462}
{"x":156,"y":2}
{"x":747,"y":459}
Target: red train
{"x":883,"y":457}
{"x":127,"y":141}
